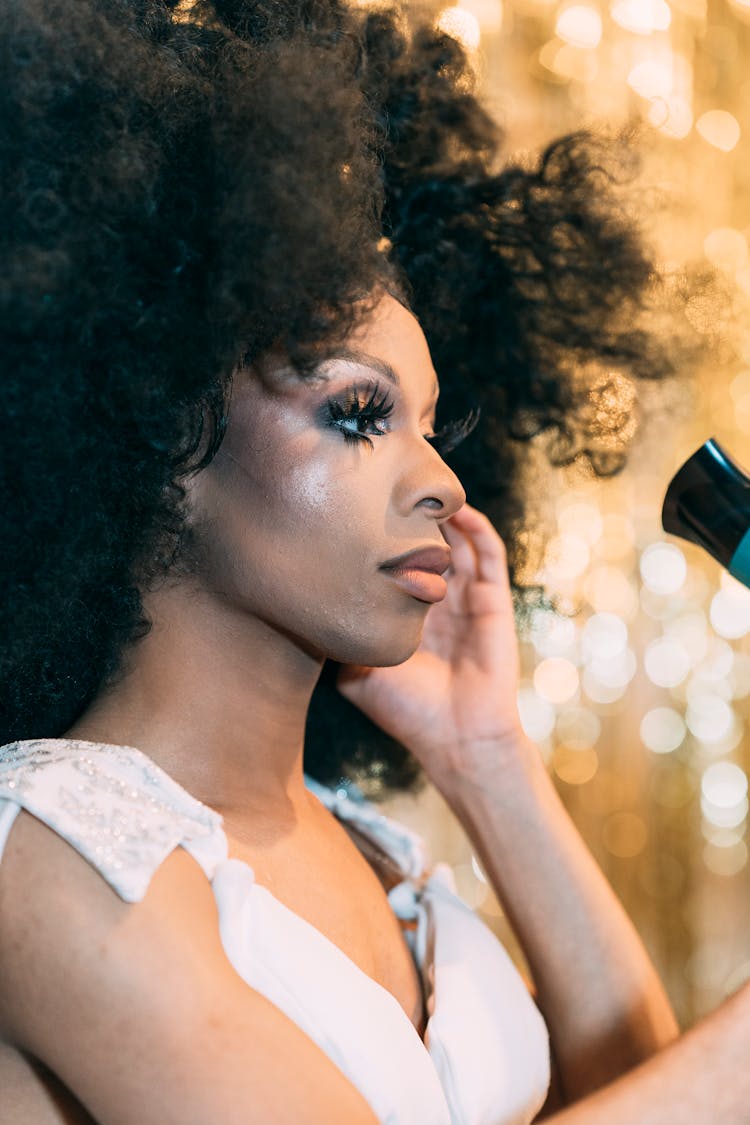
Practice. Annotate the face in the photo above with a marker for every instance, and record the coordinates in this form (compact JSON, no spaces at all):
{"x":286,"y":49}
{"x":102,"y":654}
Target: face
{"x":321,"y":486}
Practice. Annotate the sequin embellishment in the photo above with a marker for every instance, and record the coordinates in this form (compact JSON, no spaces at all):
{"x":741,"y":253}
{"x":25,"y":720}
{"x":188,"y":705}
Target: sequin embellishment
{"x":113,"y":804}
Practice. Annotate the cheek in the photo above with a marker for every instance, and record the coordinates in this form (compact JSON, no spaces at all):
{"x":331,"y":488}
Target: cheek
{"x":283,"y":507}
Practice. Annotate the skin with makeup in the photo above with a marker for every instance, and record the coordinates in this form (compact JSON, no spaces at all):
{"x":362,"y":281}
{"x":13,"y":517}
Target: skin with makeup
{"x":199,"y":198}
{"x":327,"y":525}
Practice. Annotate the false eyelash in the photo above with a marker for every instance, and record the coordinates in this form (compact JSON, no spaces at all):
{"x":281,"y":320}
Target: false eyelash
{"x":376,"y":408}
{"x":453,"y":433}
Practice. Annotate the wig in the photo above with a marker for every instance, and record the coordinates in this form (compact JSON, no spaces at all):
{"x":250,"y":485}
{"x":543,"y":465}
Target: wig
{"x":189,"y":184}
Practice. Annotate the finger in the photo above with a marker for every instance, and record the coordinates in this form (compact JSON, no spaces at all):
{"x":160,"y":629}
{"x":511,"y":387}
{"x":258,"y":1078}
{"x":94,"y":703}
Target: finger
{"x":463,"y":555}
{"x":488,"y":547}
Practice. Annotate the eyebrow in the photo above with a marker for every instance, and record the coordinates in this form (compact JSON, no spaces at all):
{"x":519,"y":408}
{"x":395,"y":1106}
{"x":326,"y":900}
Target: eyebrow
{"x":380,"y":365}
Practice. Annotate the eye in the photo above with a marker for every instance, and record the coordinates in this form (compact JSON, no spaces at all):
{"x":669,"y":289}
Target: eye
{"x":361,"y":414}
{"x":453,"y":433}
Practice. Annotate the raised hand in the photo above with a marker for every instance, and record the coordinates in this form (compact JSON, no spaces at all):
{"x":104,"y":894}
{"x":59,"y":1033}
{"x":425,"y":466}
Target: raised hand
{"x":454,"y":701}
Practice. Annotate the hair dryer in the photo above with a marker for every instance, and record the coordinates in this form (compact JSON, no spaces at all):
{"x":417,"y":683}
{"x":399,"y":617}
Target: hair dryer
{"x":708,"y":503}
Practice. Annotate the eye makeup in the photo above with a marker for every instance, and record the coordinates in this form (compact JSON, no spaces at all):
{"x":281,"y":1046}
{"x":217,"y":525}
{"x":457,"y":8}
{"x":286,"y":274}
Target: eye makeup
{"x":360,"y":413}
{"x":453,"y":433}
{"x":363,"y":411}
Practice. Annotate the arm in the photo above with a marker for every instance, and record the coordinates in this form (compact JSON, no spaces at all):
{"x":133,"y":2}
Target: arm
{"x":453,"y":704}
{"x":702,"y":1079}
{"x":137,"y":1009}
{"x":601,"y":998}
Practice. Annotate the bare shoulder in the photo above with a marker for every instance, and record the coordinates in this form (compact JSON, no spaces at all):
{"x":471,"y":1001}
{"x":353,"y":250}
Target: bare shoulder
{"x":135,"y":1007}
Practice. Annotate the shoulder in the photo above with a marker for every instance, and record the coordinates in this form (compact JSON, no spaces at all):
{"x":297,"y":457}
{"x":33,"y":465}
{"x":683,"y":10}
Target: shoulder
{"x":135,"y":1006}
{"x":112,"y":804}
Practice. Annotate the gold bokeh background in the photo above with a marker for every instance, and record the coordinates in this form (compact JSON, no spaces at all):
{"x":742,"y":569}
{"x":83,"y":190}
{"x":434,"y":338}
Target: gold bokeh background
{"x":639,"y":697}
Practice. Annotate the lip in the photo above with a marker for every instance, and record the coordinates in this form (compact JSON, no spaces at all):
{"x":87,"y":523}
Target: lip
{"x":420,"y":572}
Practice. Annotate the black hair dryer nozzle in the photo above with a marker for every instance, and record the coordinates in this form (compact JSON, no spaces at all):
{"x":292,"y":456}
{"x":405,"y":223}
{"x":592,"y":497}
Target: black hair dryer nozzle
{"x":708,"y":503}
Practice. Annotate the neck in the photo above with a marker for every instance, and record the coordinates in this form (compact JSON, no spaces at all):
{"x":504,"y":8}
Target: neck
{"x":217,"y":698}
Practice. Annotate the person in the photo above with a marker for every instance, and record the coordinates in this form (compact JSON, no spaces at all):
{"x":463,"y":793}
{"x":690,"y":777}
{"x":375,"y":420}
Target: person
{"x":221,"y":468}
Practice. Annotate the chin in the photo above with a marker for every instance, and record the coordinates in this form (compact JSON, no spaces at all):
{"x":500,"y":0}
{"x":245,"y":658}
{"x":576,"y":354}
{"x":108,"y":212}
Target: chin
{"x":382,"y":651}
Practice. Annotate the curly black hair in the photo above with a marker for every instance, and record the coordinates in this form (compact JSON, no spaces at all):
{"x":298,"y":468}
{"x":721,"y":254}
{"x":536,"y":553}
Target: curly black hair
{"x":188,"y":184}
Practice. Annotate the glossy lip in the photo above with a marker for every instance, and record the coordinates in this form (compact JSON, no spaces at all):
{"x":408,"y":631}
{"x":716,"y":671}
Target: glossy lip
{"x":432,"y":560}
{"x":419,"y":573}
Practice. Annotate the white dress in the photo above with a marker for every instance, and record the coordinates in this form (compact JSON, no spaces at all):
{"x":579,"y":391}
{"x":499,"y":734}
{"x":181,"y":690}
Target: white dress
{"x":485,"y":1055}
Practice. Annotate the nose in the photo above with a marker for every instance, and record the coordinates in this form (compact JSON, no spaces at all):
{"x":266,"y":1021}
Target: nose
{"x":429,"y":484}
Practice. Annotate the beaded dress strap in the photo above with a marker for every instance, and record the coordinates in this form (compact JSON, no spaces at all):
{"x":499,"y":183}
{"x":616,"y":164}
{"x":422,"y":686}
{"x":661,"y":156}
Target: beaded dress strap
{"x":115,"y":806}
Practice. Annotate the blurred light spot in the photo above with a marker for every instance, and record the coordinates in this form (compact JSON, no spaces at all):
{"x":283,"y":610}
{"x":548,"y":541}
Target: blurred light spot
{"x":714,"y":668}
{"x":719,"y":128}
{"x":581,"y":519}
{"x":574,"y":767}
{"x":671,"y":115}
{"x":553,"y":635}
{"x":730,"y":612}
{"x":739,"y":677}
{"x":699,"y":685}
{"x":667,"y":663}
{"x":724,"y":794}
{"x":740,"y":385}
{"x":615,"y":671}
{"x":556,"y":679}
{"x":663,"y":568}
{"x":624,"y":834}
{"x":651,"y":78}
{"x":724,"y":784}
{"x":568,"y":63}
{"x":568,"y":604}
{"x":663,"y":730}
{"x":691,"y":631}
{"x":662,"y":876}
{"x":664,"y":74}
{"x":722,"y":837}
{"x":608,"y":590}
{"x":488,"y":13}
{"x":707,"y":966}
{"x":742,"y":405}
{"x":672,"y":788}
{"x":536,"y":714}
{"x":604,"y":636}
{"x":725,"y":861}
{"x":580,"y":26}
{"x":726,"y":248}
{"x":654,"y":606}
{"x":617,"y":538}
{"x":460,"y":24}
{"x":566,"y":558}
{"x":599,"y":692}
{"x":578,"y":728}
{"x":641,"y":16}
{"x":733,"y":586}
{"x":709,"y":717}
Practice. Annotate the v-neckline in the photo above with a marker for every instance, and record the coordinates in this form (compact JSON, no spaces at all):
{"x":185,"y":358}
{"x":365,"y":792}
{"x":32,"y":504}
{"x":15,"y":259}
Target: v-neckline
{"x":299,"y":920}
{"x":218,"y":822}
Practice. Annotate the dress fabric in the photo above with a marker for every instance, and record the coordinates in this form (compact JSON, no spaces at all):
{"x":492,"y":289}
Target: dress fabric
{"x":485,"y":1055}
